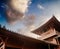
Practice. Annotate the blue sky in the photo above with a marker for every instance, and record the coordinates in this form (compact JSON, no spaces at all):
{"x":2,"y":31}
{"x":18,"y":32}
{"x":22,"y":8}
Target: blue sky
{"x":43,"y":10}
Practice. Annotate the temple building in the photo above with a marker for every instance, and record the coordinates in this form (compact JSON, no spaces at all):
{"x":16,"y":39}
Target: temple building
{"x":49,"y":32}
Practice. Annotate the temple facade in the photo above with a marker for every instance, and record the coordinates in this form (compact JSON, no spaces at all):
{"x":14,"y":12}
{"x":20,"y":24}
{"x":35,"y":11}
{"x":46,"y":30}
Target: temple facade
{"x":49,"y":32}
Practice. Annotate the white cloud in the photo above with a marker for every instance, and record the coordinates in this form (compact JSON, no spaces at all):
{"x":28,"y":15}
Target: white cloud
{"x":28,"y":34}
{"x":2,"y":6}
{"x":20,"y":5}
{"x":40,"y":7}
{"x":16,"y":10}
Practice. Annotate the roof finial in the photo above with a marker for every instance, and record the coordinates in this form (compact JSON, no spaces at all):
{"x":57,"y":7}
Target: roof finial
{"x":53,"y":15}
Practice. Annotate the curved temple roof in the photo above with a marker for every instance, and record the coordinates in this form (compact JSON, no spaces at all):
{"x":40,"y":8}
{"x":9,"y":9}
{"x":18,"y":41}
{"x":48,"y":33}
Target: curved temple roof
{"x":13,"y":39}
{"x":52,"y":23}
